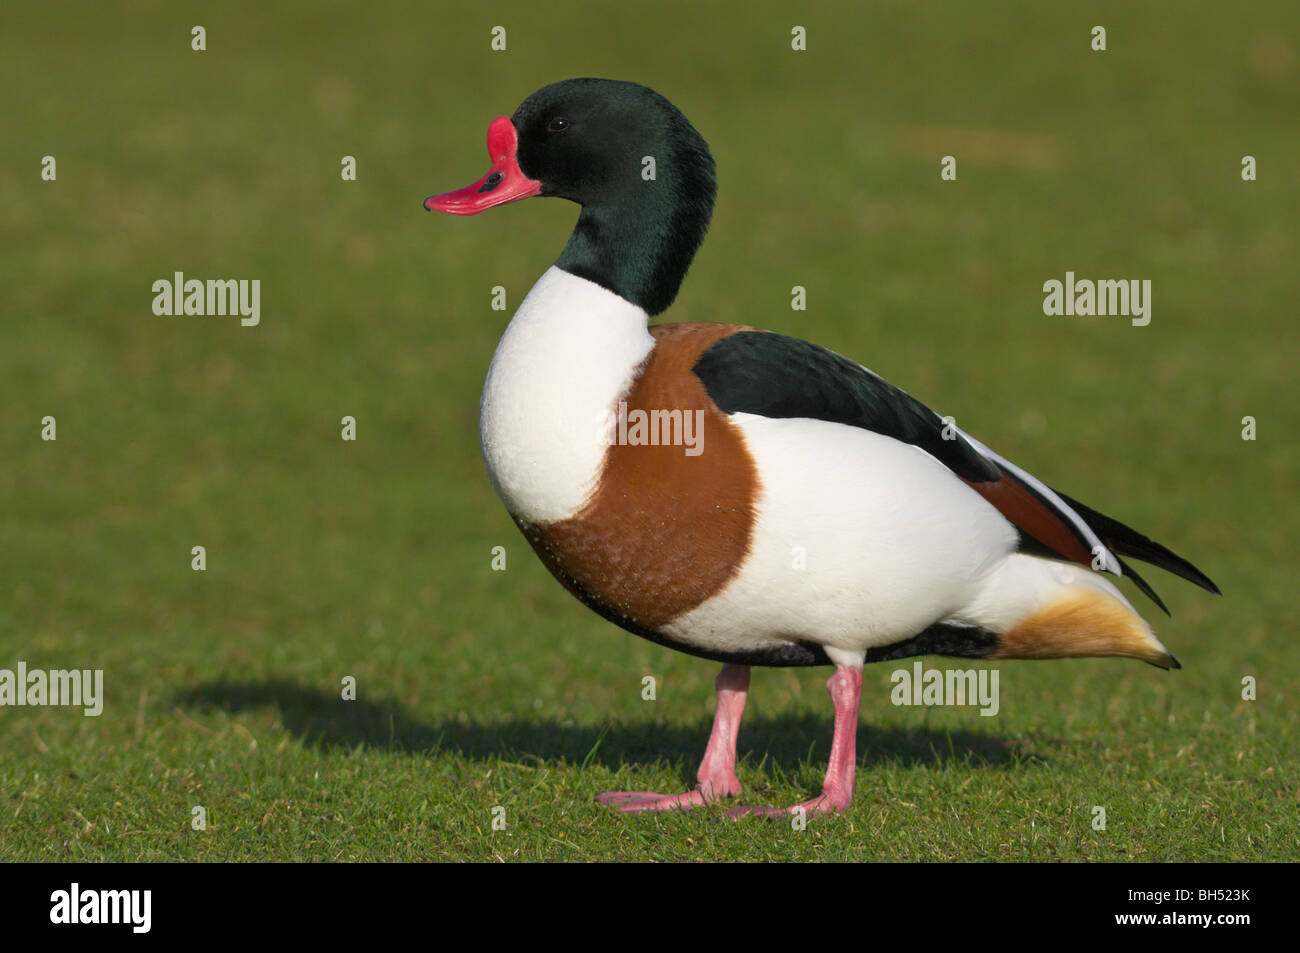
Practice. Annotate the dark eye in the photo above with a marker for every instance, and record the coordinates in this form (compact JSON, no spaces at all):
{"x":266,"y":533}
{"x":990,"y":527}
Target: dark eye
{"x":558,"y":124}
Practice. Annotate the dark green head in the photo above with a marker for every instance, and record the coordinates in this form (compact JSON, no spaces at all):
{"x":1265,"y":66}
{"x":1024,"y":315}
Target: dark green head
{"x":642,"y":174}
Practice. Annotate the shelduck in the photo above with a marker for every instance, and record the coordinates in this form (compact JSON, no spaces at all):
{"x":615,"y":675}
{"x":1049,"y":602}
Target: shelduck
{"x":824,"y":516}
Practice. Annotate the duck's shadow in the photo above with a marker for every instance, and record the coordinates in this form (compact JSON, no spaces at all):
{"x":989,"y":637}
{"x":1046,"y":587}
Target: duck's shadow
{"x":783,"y":742}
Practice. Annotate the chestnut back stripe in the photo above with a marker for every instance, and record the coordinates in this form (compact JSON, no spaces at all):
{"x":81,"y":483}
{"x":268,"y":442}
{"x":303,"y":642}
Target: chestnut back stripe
{"x":663,"y":531}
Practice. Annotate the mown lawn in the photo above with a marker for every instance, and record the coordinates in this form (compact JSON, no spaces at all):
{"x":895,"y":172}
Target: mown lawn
{"x":479,"y":689}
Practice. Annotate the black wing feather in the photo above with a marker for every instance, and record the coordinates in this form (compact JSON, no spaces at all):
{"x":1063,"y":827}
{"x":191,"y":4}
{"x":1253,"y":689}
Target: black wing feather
{"x":1129,"y":542}
{"x":773,"y":375}
{"x":758,"y":372}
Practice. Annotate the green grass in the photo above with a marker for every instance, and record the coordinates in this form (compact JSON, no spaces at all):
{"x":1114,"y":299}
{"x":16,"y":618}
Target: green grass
{"x":372,"y":559}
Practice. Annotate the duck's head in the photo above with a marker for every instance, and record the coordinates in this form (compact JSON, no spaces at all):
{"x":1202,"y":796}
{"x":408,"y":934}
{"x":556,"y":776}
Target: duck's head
{"x":642,"y":174}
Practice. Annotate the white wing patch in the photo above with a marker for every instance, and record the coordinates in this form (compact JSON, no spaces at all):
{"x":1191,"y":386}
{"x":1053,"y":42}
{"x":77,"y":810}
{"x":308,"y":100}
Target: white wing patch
{"x":1099,"y":549}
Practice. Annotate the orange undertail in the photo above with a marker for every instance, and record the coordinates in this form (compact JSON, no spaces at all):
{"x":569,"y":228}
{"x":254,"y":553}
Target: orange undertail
{"x":1084,"y":623}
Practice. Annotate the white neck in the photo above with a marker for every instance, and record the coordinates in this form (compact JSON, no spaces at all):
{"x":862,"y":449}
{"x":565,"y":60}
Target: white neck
{"x":549,"y":403}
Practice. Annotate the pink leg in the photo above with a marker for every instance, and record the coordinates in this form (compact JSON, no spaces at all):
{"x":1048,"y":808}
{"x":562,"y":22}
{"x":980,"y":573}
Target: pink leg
{"x":717,"y":774}
{"x":845,"y":687}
